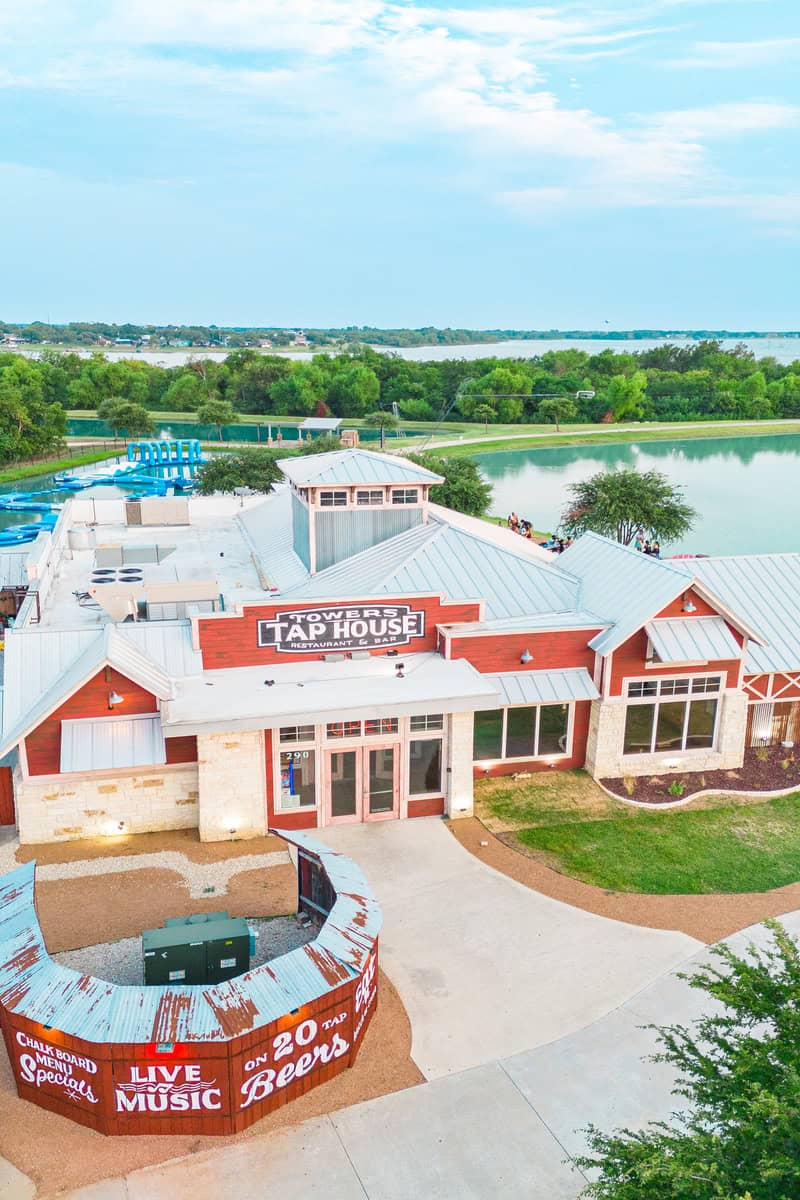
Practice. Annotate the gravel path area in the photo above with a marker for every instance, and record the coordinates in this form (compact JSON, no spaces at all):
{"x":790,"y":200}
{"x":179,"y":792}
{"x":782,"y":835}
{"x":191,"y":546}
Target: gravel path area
{"x":121,"y":961}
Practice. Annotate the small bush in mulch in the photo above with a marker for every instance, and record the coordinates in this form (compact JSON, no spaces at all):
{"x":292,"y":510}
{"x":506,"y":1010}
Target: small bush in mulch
{"x":771,"y":769}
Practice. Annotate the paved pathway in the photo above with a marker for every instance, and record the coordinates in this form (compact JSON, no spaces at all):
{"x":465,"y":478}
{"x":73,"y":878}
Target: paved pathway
{"x":486,"y":967}
{"x":509,"y":1128}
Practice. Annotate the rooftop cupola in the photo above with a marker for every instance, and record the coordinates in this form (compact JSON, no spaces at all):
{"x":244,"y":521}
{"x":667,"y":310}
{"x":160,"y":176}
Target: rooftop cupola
{"x":349,"y":500}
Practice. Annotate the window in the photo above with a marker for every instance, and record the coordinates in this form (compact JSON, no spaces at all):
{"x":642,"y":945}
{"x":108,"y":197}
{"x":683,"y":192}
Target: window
{"x":371,"y":496}
{"x":405,"y":496}
{"x":487,"y":738}
{"x":333,"y":499}
{"x":425,"y":766}
{"x":381,"y":725}
{"x":679,"y":714}
{"x":428,"y":722}
{"x":348,"y":729}
{"x":521,"y":732}
{"x":297,"y":779}
{"x":297,"y":733}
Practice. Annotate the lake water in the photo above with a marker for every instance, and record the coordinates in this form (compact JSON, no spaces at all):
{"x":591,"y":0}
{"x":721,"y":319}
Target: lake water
{"x":786,"y":350}
{"x":746,"y":490}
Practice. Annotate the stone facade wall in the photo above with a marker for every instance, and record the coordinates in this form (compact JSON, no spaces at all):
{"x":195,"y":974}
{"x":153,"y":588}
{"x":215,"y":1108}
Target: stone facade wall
{"x":232,"y":783}
{"x":59,"y":810}
{"x":605,"y":760}
{"x":459,"y":797}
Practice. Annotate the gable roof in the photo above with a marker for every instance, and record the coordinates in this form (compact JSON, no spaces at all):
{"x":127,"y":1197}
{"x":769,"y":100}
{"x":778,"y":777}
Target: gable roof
{"x":765,"y":590}
{"x":353,"y":466}
{"x":45,"y":668}
{"x":628,"y":588}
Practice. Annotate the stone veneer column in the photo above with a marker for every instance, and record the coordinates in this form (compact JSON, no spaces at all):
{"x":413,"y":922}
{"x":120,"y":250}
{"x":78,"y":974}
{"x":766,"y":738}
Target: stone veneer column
{"x":604,"y":758}
{"x":232,"y":785}
{"x":459,"y":795}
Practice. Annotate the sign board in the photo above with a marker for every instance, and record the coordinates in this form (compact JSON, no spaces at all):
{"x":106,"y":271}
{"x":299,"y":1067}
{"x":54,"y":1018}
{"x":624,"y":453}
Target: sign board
{"x":349,"y":627}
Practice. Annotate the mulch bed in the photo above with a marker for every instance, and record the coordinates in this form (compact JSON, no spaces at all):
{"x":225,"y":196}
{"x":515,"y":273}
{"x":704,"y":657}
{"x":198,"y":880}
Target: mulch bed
{"x":772,"y":769}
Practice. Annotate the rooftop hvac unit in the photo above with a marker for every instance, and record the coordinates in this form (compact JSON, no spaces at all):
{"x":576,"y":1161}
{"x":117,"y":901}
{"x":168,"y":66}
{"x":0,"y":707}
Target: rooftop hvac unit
{"x":204,"y":948}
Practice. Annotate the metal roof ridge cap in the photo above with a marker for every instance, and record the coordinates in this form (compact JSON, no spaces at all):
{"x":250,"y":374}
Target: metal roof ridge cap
{"x":514,"y":553}
{"x":665,"y":563}
{"x":729,"y":613}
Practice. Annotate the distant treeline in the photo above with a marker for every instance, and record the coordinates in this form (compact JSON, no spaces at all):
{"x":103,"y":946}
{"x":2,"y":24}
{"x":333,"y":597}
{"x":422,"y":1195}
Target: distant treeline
{"x":101,"y":333}
{"x":700,"y":381}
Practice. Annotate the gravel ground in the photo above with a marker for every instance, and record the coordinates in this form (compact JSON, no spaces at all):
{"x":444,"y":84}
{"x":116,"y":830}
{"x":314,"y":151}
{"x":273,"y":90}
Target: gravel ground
{"x":121,"y":962}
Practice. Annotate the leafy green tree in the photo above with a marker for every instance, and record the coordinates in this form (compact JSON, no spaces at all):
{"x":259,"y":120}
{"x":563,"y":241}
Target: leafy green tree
{"x":557,"y":409}
{"x":620,"y":503}
{"x":324,"y":444}
{"x":383,"y":421}
{"x":29,"y":425}
{"x":507,"y":385}
{"x":624,"y":396}
{"x":216,"y":412}
{"x":185,"y":393}
{"x":256,"y":469}
{"x":299,"y":392}
{"x":739,"y":1070}
{"x":485,"y":413}
{"x":464,"y":488}
{"x":124,"y":417}
{"x":353,"y":392}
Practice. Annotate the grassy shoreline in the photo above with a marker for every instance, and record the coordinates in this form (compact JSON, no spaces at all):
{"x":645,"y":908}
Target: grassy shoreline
{"x":65,"y":463}
{"x":647,"y":433}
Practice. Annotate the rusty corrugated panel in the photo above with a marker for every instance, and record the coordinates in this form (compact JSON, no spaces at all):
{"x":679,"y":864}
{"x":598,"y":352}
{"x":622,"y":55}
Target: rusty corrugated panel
{"x":97,"y":1011}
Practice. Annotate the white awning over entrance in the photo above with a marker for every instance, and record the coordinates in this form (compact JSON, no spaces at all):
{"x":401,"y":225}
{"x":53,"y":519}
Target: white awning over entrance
{"x":311,"y":693}
{"x":112,"y":743}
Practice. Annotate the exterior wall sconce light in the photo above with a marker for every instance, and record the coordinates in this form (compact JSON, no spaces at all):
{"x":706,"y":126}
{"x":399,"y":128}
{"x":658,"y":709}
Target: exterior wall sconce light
{"x":526,"y":657}
{"x":114,"y":698}
{"x":688,"y":606}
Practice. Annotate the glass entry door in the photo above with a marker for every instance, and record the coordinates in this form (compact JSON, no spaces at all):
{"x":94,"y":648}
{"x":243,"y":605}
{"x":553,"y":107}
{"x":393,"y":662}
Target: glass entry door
{"x":363,"y":783}
{"x":382,"y":792}
{"x":343,"y":778}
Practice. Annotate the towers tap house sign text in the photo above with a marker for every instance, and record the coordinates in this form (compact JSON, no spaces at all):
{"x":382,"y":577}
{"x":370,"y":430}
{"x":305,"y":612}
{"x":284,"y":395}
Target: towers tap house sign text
{"x":355,"y":627}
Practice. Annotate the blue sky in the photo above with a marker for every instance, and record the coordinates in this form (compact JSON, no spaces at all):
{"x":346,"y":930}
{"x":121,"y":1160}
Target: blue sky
{"x":327,"y":162}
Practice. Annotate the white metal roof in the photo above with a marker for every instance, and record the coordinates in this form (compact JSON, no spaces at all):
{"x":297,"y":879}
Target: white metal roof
{"x":354,"y":466}
{"x":111,"y":743}
{"x":544,"y":687}
{"x":321,"y":423}
{"x":14,"y":568}
{"x":442,"y":559}
{"x":267,"y":529}
{"x":315,"y":692}
{"x":692,"y":639}
{"x":765,"y":590}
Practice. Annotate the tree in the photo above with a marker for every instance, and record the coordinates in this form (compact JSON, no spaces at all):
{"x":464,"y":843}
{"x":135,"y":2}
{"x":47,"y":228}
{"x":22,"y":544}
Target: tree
{"x":620,"y":503}
{"x":485,"y":413}
{"x":216,"y":412}
{"x":383,"y":421}
{"x":557,"y":409}
{"x":740,"y":1072}
{"x":464,"y":488}
{"x":353,"y":391}
{"x":624,"y":396}
{"x":124,"y":417}
{"x":256,"y":469}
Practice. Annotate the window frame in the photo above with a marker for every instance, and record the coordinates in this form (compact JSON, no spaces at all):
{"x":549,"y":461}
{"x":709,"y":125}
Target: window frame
{"x":333,"y":493}
{"x":370,"y":493}
{"x":569,"y":735}
{"x":663,"y":690}
{"x":312,"y":749}
{"x":441,"y":790}
{"x":400,"y":495}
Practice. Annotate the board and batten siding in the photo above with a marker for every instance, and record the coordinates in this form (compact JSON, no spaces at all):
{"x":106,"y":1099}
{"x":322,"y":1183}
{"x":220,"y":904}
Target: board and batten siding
{"x":43,"y":744}
{"x":630,"y":661}
{"x":555,"y":650}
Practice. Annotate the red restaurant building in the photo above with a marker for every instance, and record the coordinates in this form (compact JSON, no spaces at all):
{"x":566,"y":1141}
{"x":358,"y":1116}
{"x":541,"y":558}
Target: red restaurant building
{"x":346,"y":650}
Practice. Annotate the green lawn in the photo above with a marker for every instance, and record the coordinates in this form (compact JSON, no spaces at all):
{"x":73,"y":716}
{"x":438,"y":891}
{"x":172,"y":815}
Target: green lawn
{"x":66,"y":463}
{"x":725,"y":844}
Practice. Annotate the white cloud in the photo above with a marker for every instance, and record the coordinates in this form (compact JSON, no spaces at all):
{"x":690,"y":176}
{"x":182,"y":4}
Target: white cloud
{"x":739,"y":55}
{"x":387,"y":70}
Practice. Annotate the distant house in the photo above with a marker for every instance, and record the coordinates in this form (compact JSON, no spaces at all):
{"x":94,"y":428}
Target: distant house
{"x":299,"y":339}
{"x":265,"y":344}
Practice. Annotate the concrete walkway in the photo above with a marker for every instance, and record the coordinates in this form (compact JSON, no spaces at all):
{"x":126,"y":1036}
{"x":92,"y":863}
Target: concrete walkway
{"x":486,"y":967}
{"x":509,"y":1128}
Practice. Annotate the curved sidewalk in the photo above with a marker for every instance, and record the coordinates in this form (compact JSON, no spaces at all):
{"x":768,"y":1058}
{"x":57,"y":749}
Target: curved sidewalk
{"x":486,"y":967}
